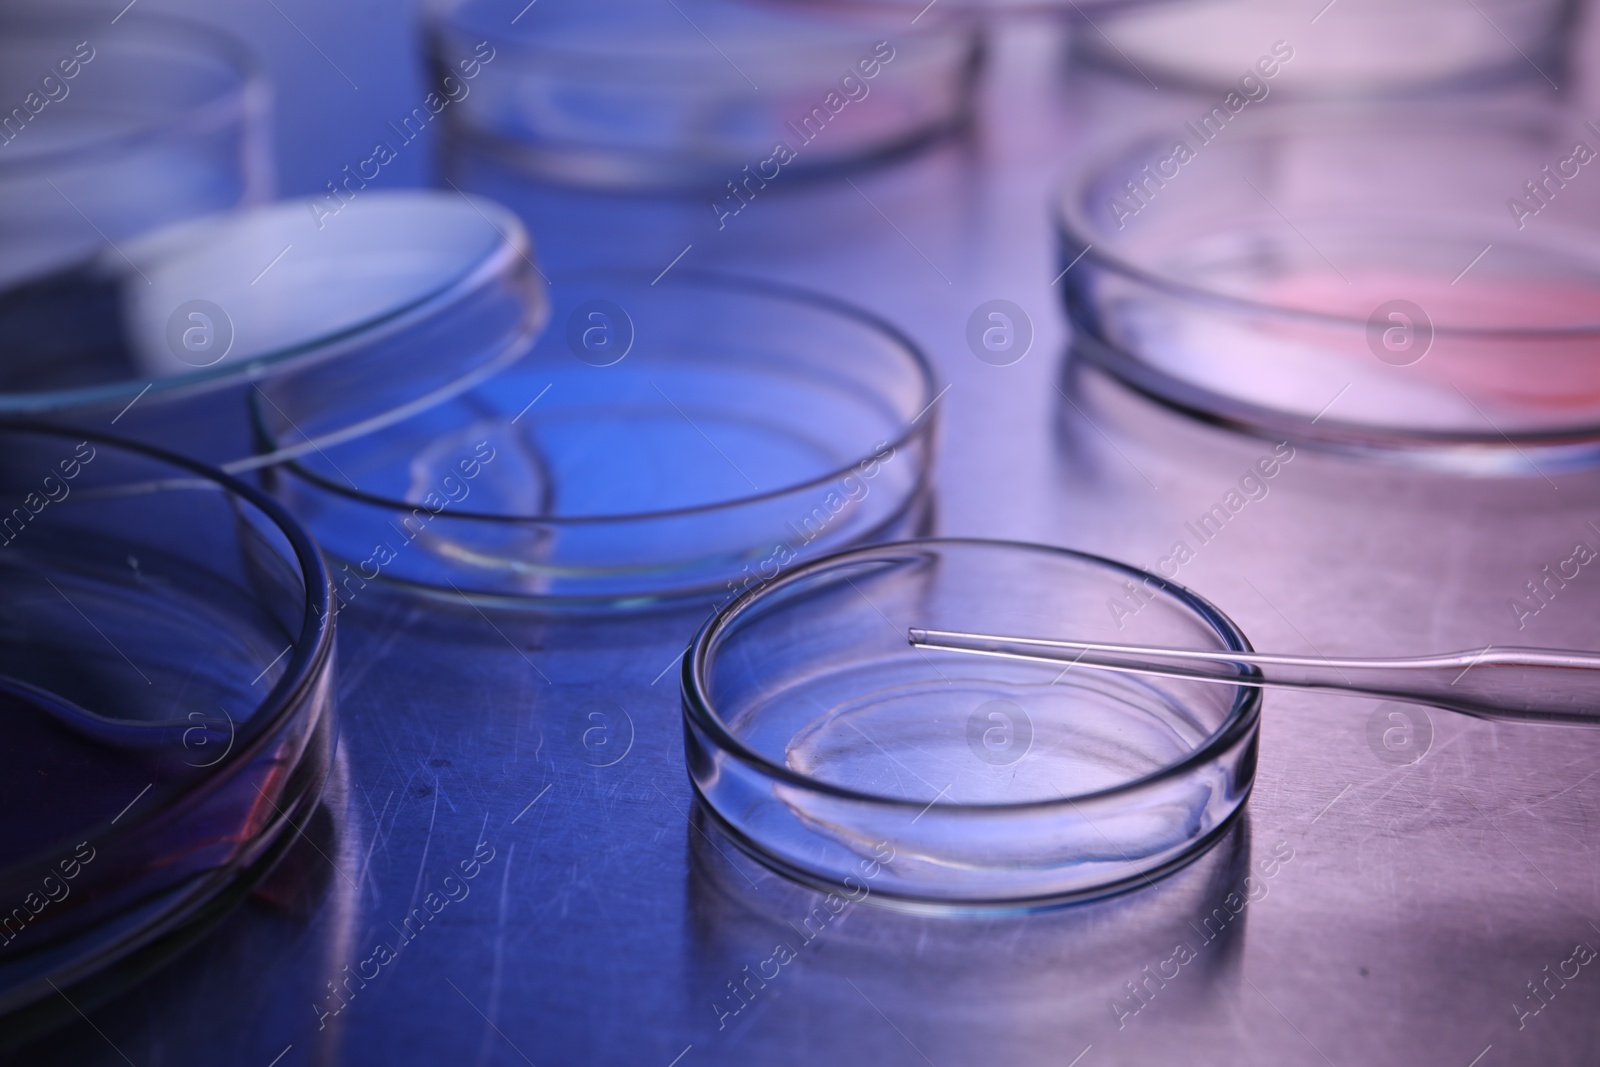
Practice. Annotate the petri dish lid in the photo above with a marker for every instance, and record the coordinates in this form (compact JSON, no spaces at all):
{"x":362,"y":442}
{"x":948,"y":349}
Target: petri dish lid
{"x":244,"y":296}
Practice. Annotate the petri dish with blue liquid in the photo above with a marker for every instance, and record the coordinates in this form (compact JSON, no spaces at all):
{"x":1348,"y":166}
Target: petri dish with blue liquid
{"x":683,"y":436}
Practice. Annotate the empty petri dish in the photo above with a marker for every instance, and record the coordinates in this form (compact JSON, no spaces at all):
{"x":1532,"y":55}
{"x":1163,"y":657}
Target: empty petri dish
{"x":166,"y":649}
{"x":971,"y":9}
{"x":1362,"y":47}
{"x":680,"y":436}
{"x":836,"y":752}
{"x":1415,"y":285}
{"x":387,"y":300}
{"x":701,"y":93}
{"x":110,"y":130}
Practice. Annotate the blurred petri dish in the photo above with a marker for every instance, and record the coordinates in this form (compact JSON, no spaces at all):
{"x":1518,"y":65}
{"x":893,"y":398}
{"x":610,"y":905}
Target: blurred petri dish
{"x":837,"y":753}
{"x":686,"y":436}
{"x":1378,"y":283}
{"x":389,"y":301}
{"x":711,"y":94}
{"x":970,"y":9}
{"x":109,"y":130}
{"x":166,"y":656}
{"x":1359,"y":48}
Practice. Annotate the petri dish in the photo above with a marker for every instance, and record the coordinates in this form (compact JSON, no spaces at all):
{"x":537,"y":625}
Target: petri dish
{"x":1385,"y":284}
{"x":1361,"y":48}
{"x":835,"y":752}
{"x":389,"y":300}
{"x":688,"y":435}
{"x":110,"y":130}
{"x":703,"y":94}
{"x":166,"y":656}
{"x":971,"y":9}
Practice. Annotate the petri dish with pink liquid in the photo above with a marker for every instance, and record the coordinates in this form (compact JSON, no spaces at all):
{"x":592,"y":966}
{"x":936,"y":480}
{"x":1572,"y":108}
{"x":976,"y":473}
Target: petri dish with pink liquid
{"x":1421,"y":284}
{"x":703,"y":95}
{"x":1349,"y":48}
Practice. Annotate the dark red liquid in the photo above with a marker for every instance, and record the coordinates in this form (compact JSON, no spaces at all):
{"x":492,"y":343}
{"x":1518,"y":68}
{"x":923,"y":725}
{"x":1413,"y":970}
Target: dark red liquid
{"x":64,"y":771}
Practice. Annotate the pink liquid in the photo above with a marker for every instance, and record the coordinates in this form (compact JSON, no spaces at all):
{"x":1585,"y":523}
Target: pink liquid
{"x":1556,"y":373}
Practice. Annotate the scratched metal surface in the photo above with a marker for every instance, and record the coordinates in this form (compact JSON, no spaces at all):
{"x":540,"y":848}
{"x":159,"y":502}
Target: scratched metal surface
{"x":603,"y":922}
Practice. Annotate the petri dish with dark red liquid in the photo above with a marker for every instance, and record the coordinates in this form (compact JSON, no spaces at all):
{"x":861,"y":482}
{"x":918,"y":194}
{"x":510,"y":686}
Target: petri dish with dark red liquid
{"x":166,"y":655}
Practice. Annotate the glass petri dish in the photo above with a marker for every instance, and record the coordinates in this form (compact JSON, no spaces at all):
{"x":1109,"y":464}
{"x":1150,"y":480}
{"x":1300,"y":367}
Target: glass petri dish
{"x":111,"y":130}
{"x":970,"y":9}
{"x":683,"y":436}
{"x":702,"y":93}
{"x":1377,"y":283}
{"x":835,"y":752}
{"x":359,"y":296}
{"x":1360,"y":48}
{"x":166,"y":652}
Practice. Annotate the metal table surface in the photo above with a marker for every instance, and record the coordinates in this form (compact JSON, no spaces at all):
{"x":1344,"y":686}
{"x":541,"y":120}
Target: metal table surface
{"x":1397,"y":912}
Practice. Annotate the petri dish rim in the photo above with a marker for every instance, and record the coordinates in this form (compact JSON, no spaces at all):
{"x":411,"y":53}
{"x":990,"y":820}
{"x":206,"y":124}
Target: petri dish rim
{"x":712,"y":279}
{"x":1076,"y":231}
{"x":1449,"y":451}
{"x":308,"y":659}
{"x":514,"y":244}
{"x":1242,"y":717}
{"x":250,"y":93}
{"x":942,"y":907}
{"x":1077,"y":11}
{"x":579,"y":51}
